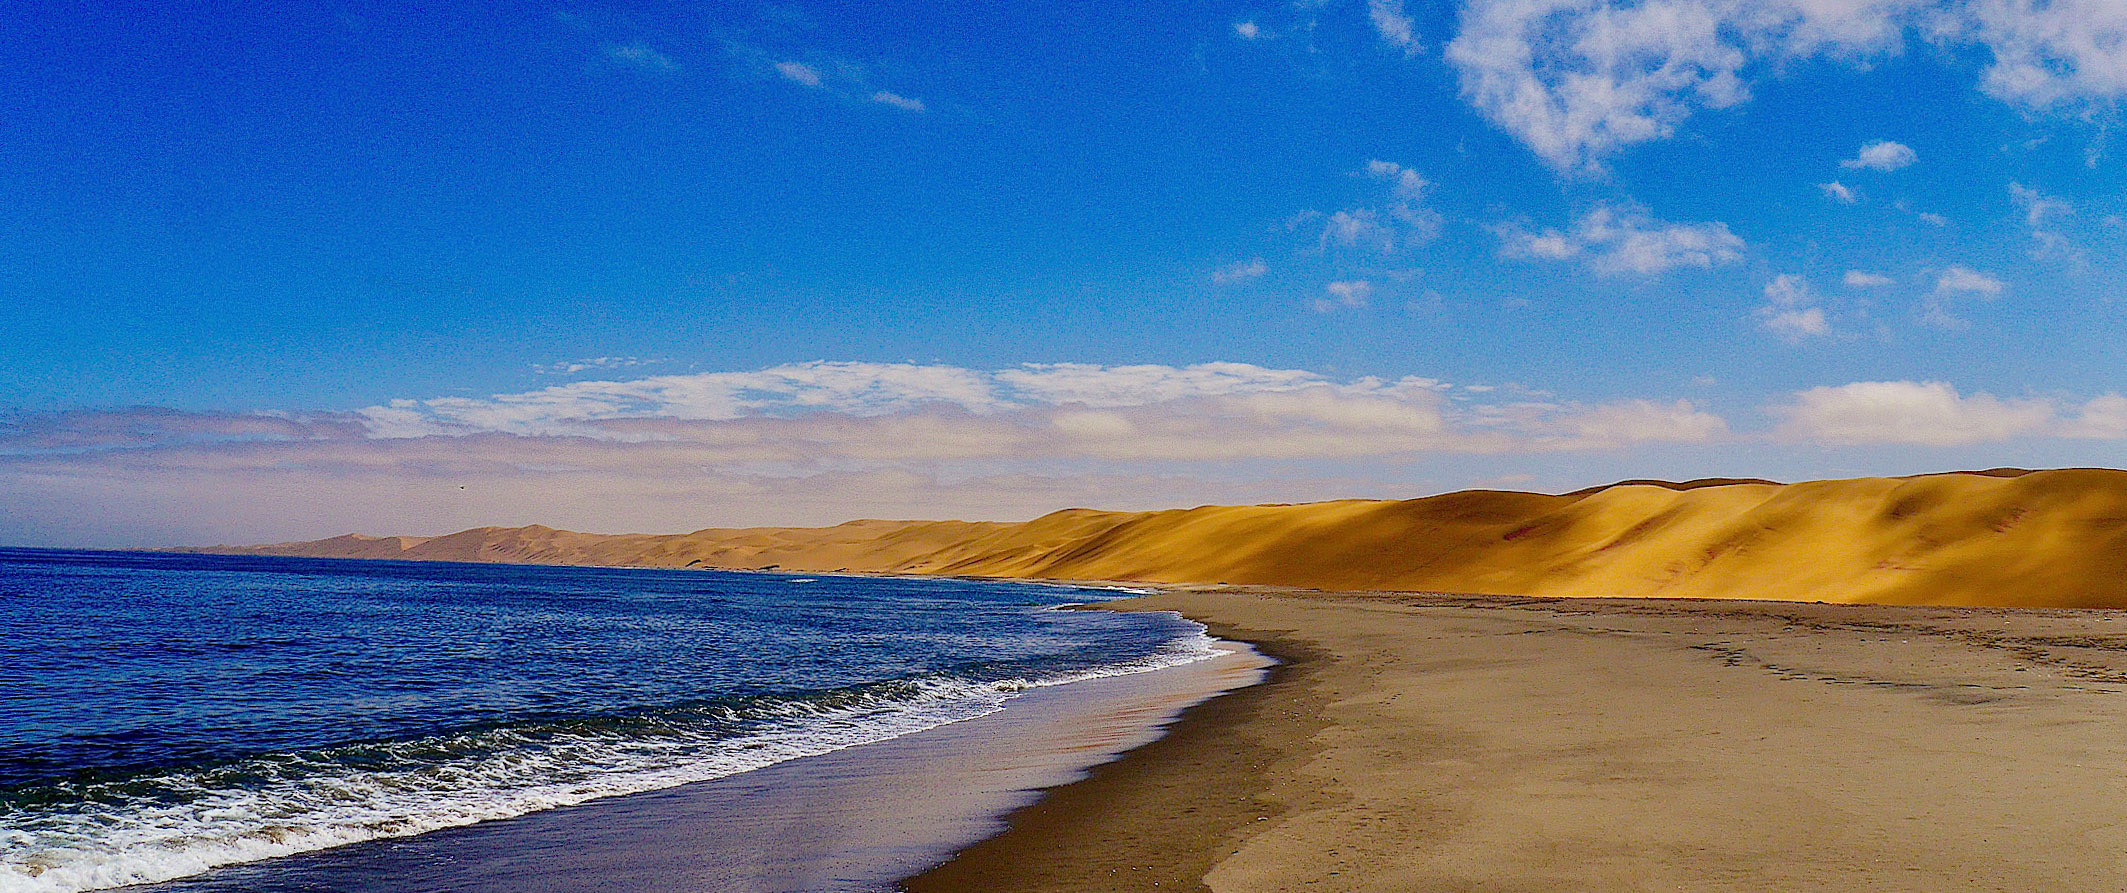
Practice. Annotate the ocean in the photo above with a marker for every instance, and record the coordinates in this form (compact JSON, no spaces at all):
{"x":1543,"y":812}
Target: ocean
{"x":174,"y":716}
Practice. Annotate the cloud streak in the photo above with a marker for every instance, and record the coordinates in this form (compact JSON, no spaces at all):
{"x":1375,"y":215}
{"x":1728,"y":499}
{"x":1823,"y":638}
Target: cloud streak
{"x":822,"y":442}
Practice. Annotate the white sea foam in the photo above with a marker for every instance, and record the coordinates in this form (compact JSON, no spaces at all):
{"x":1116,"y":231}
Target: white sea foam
{"x":187,"y":823}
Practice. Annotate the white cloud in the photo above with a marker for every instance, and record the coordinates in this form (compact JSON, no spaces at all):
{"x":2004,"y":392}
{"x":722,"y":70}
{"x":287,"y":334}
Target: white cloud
{"x":1627,"y":240}
{"x":1345,"y":295}
{"x":2040,"y":212}
{"x":1087,"y":384}
{"x":2052,"y":53}
{"x":1393,"y":24}
{"x":817,"y":443}
{"x":1404,"y":183}
{"x":1403,"y":221}
{"x":898,"y":101}
{"x":1240,"y":271}
{"x":1547,"y":245}
{"x":2037,"y":206}
{"x":1839,"y":192}
{"x":1598,"y":426}
{"x":642,"y":56}
{"x":1247,"y":30}
{"x":2103,"y":418}
{"x":1953,"y":283}
{"x":1865,"y":279}
{"x":1881,"y":155}
{"x":1933,"y":219}
{"x":1907,"y":412}
{"x":843,"y":79}
{"x":1638,"y":421}
{"x":570,"y":367}
{"x":789,"y":418}
{"x":1358,"y":228}
{"x":1958,"y":279}
{"x":1794,"y":324}
{"x":577,"y":408}
{"x":803,"y":444}
{"x":1578,"y":79}
{"x":799,"y":73}
{"x":1790,"y":310}
{"x":1646,"y":246}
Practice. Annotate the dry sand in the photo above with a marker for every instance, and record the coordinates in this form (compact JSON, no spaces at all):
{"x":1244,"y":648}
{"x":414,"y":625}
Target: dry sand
{"x":1417,"y":743}
{"x":2039,"y":539}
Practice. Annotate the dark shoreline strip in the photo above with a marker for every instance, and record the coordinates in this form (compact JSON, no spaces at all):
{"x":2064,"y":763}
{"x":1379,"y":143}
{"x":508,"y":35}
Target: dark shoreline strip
{"x":1162,"y":815}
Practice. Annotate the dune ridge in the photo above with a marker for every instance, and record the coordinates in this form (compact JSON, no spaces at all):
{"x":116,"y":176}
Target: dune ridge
{"x":2003,"y":537}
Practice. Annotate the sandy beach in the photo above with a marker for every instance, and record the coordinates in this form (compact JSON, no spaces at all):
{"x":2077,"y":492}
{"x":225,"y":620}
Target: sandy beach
{"x":1417,"y":742}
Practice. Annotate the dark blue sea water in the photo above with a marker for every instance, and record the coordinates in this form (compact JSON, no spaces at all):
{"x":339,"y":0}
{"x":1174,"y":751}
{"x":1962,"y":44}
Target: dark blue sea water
{"x":161,"y":715}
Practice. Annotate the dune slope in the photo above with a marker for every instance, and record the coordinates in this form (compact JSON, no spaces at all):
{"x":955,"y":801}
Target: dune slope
{"x":2032,"y":539}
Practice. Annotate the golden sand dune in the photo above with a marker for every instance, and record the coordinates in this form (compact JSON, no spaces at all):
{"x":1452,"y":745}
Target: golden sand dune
{"x":2007,"y":538}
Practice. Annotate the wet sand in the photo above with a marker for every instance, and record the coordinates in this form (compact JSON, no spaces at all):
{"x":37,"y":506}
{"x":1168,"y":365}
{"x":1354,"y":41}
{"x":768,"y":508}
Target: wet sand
{"x":1419,"y":743}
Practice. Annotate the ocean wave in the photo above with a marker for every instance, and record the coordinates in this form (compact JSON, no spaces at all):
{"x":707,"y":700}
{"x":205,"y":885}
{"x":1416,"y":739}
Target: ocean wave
{"x":156,"y":827}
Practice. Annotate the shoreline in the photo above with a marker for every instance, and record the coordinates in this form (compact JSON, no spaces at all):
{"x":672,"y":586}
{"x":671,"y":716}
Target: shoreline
{"x":1067,"y":839}
{"x":856,"y":818}
{"x":1433,"y":742}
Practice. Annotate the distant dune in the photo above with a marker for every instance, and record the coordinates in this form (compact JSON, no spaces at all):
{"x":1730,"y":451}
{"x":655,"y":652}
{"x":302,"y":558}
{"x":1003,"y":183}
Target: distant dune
{"x":2004,"y":537}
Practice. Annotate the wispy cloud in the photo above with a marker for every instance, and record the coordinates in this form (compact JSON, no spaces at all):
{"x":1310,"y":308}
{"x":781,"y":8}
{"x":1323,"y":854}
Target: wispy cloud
{"x":1791,"y":310}
{"x":1625,"y":239}
{"x":842,"y":79}
{"x":591,"y":364}
{"x":825,"y":411}
{"x":898,"y":101}
{"x":1839,"y":192}
{"x":642,"y":56}
{"x":1393,"y":24}
{"x":1958,"y":279}
{"x":1344,"y":295}
{"x":2042,"y":213}
{"x":1240,"y":271}
{"x":1401,"y":220}
{"x":1958,"y":282}
{"x":799,"y":73}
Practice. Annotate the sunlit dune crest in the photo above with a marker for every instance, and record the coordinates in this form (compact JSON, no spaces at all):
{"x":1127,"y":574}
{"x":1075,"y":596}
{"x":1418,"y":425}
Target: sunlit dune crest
{"x":2006,"y":538}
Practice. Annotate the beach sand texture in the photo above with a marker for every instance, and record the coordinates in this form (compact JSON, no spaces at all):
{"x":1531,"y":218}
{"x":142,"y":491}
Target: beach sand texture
{"x":2034,"y":539}
{"x":1416,"y":743}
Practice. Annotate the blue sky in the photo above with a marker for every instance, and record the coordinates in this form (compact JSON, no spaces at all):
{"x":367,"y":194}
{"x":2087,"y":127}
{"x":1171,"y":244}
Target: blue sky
{"x":278,"y":274}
